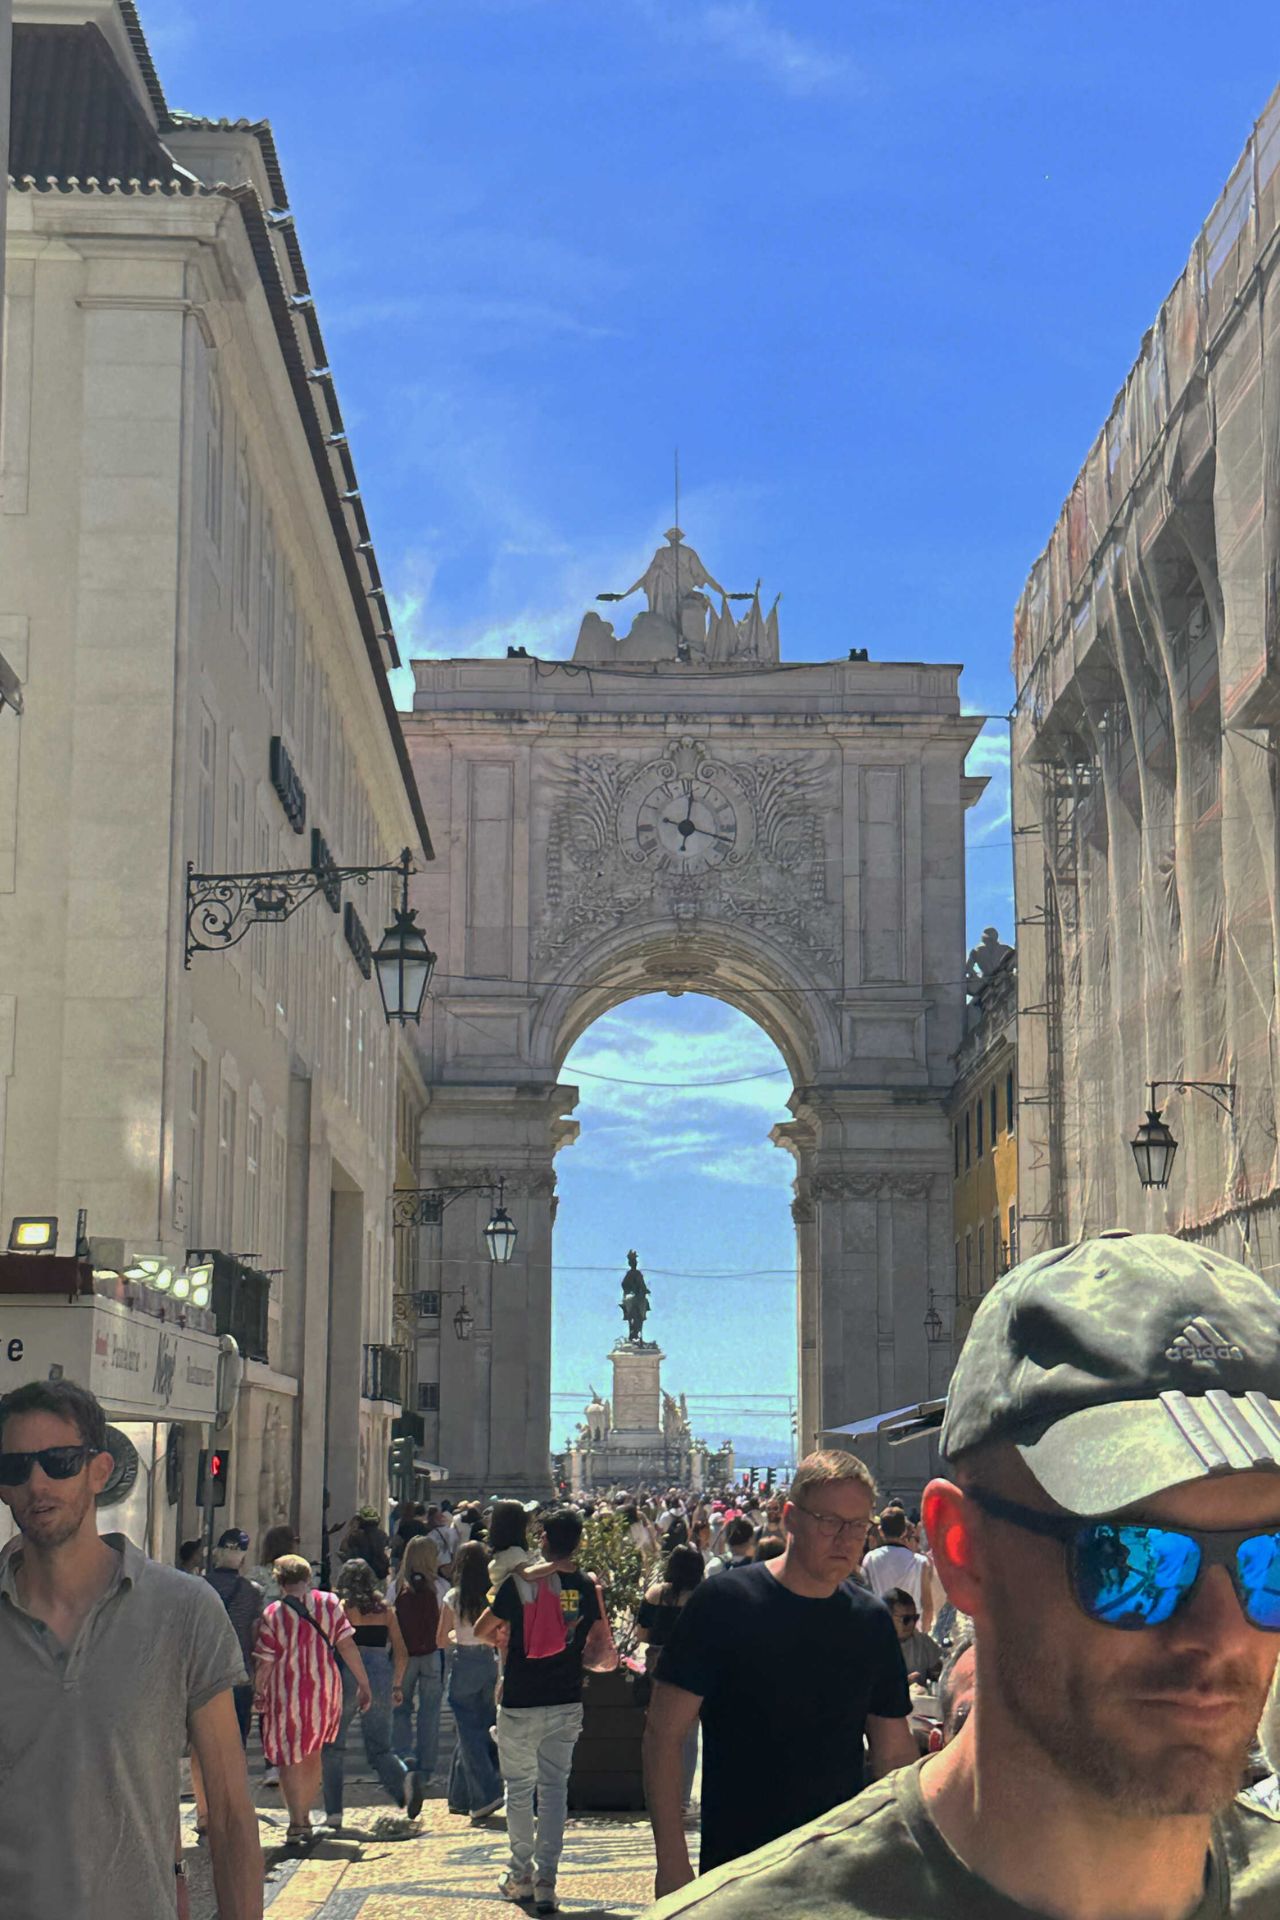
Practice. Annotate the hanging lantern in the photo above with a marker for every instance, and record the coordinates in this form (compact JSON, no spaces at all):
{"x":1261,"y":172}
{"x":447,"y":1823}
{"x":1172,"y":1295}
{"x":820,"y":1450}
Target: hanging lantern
{"x":933,"y":1328}
{"x":463,"y":1320}
{"x":404,"y":962}
{"x":1154,"y":1150}
{"x":500,"y":1234}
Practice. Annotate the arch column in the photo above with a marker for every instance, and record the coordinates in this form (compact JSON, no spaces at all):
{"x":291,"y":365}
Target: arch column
{"x":878,"y":1240}
{"x":494,"y":1417}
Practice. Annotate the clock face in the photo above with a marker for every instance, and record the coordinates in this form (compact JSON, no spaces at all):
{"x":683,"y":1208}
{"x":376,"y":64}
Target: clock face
{"x":686,"y":826}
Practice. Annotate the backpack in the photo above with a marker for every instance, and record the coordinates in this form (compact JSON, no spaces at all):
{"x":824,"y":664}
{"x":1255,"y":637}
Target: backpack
{"x":418,"y":1612}
{"x":545,"y":1630}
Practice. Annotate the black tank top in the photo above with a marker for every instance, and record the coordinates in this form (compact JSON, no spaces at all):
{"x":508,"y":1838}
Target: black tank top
{"x":371,"y":1636}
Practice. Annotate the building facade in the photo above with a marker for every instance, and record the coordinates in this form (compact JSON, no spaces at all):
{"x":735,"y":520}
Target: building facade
{"x":1145,"y":754}
{"x":192,"y":601}
{"x":983,"y":1109}
{"x":680,"y":810}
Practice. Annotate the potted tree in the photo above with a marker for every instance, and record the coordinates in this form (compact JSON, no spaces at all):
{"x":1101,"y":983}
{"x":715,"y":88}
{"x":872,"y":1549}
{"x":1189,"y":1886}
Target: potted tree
{"x":607,"y":1766}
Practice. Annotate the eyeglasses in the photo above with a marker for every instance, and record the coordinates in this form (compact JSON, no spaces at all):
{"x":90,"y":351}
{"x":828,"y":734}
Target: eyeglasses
{"x":56,"y":1463}
{"x":831,"y":1526}
{"x":1137,"y":1573}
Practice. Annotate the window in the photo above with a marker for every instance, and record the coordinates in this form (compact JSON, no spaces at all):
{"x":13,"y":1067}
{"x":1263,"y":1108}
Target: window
{"x":993,"y":1118}
{"x":1008,"y":1101}
{"x":267,"y":601}
{"x":206,"y":775}
{"x":308,"y":705}
{"x":225,"y":1224}
{"x":959,"y":1271}
{"x":1013,"y":1236}
{"x":199,"y":1100}
{"x":261,"y":933}
{"x":968,"y":1158}
{"x":979,"y":1113}
{"x":955,"y":1134}
{"x":213,"y":465}
{"x":982,"y":1258}
{"x":235,"y":820}
{"x":426,"y":1304}
{"x":243,"y":532}
{"x":998,"y":1261}
{"x":288,"y":648}
{"x":968,"y":1263}
{"x":279,"y":1187}
{"x":253,"y":1186}
{"x":428,"y":1396}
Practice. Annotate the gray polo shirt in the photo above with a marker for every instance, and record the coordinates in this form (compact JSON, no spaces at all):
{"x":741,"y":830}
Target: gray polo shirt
{"x":91,"y":1737}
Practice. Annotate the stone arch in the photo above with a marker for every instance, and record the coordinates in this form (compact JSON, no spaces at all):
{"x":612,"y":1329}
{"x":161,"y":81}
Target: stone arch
{"x":825,"y":809}
{"x":756,"y":977}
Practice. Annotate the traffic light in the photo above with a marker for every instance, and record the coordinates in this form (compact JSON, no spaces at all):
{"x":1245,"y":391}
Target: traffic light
{"x":215,"y":1470}
{"x":401,"y":1462}
{"x":770,"y":1477}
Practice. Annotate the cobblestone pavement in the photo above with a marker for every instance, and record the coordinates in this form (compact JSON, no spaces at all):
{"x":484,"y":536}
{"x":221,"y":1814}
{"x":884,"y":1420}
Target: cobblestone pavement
{"x":447,"y":1869}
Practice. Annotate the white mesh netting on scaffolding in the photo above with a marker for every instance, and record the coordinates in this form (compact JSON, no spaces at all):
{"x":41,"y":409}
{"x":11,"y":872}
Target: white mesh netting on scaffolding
{"x":1145,"y":741}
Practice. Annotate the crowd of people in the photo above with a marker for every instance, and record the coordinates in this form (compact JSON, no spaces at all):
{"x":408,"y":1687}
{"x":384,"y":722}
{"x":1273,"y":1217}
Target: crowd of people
{"x":1036,"y":1695}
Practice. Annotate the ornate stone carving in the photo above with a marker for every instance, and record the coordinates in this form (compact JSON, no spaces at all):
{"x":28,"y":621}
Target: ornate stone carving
{"x":803,"y":1212}
{"x":910,"y":1186}
{"x":530,"y":1184}
{"x":694,"y":839}
{"x":273,"y":1473}
{"x":847,"y":1186}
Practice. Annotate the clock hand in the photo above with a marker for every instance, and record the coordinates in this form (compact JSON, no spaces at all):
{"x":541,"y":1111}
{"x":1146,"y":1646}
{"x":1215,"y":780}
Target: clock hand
{"x":724,"y":838}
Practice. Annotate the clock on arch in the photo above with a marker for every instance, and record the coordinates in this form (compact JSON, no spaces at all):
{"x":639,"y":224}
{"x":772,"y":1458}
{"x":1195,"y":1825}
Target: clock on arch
{"x":686,"y":824}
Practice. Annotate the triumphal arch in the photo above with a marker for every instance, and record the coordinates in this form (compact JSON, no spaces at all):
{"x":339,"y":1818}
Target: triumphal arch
{"x":678,"y":809}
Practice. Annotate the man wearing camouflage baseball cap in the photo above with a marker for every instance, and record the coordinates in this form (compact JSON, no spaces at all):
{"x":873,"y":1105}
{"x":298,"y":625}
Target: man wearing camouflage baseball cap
{"x":1113,"y":1528}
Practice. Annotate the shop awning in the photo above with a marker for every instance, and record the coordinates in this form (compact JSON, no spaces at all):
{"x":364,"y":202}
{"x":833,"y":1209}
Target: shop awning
{"x":901,"y":1423}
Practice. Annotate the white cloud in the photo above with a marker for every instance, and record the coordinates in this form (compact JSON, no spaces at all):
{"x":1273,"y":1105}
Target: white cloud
{"x":745,"y":31}
{"x":722,"y":1131}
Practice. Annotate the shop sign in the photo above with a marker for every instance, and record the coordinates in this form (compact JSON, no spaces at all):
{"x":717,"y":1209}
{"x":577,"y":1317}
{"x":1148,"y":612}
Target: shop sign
{"x":140,"y":1367}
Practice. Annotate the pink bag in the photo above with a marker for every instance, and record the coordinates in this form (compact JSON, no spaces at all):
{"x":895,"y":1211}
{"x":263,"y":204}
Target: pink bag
{"x":544,"y":1628}
{"x":600,"y":1651}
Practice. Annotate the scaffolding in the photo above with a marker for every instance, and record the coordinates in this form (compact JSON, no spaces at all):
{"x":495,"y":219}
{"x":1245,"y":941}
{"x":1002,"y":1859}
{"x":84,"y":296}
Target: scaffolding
{"x":1145,"y":741}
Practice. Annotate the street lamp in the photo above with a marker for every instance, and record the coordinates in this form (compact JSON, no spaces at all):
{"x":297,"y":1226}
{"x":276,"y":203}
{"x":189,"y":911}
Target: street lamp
{"x":1153,"y":1146}
{"x":500,"y":1234}
{"x":404,"y":960}
{"x":463,"y":1320}
{"x":222,"y":907}
{"x":933,"y":1328}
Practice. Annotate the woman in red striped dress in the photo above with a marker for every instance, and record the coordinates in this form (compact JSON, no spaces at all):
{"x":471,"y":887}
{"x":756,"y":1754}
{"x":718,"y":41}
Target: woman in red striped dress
{"x":298,"y":1688}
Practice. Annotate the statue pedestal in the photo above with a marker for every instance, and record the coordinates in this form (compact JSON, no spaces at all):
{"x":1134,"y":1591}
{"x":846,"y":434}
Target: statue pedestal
{"x":637,"y":1387}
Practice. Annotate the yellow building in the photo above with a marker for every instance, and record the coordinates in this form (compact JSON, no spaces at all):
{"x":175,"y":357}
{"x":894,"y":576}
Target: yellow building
{"x":984,"y":1110}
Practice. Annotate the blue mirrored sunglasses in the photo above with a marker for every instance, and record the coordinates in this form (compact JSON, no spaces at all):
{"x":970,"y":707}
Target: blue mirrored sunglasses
{"x":1134,"y":1573}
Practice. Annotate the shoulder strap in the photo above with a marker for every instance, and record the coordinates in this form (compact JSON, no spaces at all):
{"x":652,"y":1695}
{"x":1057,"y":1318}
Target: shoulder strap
{"x":296,"y":1606}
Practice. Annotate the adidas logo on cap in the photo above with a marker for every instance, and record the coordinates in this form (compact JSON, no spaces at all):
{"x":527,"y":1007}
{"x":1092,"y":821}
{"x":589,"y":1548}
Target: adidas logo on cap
{"x":1200,"y":1340}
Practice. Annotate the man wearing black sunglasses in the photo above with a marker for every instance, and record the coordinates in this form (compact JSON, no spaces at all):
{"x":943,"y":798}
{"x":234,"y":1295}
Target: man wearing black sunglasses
{"x":108,"y":1664}
{"x":1112,"y":1526}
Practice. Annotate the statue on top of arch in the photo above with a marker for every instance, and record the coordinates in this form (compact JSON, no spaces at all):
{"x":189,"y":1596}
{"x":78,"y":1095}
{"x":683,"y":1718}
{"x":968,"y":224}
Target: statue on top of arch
{"x":680,"y":622}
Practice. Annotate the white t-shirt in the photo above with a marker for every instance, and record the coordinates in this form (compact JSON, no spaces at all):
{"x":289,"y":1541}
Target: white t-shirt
{"x":464,"y":1632}
{"x":896,"y":1566}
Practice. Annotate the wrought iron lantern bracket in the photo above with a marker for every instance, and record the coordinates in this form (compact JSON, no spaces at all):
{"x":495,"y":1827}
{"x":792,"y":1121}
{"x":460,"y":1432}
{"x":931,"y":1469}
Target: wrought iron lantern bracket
{"x":222,"y":907}
{"x":424,"y":1206}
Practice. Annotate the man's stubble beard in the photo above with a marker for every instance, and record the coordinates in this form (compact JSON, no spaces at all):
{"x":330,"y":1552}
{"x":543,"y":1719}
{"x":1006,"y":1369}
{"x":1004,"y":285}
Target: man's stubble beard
{"x":1064,"y":1712}
{"x":54,"y":1530}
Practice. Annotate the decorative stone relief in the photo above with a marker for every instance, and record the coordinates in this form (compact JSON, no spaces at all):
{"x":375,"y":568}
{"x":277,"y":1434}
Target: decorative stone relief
{"x":847,"y":1186}
{"x":694,"y":839}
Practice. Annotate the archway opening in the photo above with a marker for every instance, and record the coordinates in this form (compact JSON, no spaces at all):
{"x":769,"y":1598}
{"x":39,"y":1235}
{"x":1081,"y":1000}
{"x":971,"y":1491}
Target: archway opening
{"x":678,"y":1095}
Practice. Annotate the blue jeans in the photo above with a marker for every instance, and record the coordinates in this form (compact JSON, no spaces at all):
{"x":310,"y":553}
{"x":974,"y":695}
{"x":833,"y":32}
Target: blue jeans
{"x":423,"y":1679}
{"x":374,"y":1725}
{"x":474,"y":1777}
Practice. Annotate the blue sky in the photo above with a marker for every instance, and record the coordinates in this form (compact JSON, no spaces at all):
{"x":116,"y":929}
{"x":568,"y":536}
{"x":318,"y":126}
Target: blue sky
{"x":877,"y":269}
